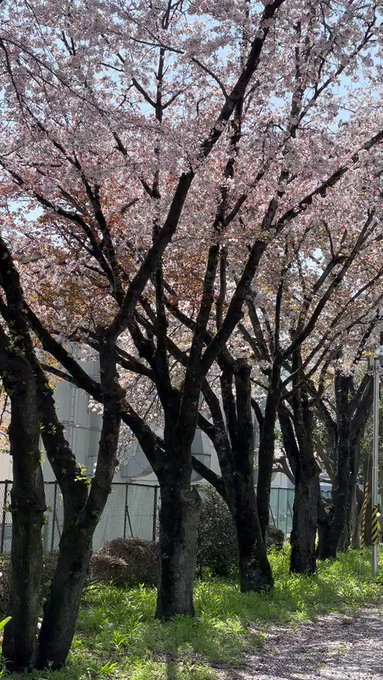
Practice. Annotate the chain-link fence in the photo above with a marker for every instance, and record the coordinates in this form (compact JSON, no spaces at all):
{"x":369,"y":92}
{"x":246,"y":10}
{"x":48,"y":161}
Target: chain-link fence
{"x":281,"y":508}
{"x":6,"y":519}
{"x":131,"y":512}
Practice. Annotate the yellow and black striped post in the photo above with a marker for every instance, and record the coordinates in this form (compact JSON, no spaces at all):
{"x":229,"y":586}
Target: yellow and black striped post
{"x":364,"y":516}
{"x":375,"y":525}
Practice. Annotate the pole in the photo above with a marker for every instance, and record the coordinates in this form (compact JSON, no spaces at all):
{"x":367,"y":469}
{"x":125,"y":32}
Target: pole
{"x":54,"y":516}
{"x":126,"y":507}
{"x":5,"y":502}
{"x":375,"y":454}
{"x":155,"y":503}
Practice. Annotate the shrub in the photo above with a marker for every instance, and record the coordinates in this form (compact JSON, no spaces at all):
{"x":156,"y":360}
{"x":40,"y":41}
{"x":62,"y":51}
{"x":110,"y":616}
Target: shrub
{"x":4,"y":586}
{"x":217,"y":544}
{"x":126,"y":561}
{"x":274,"y":537}
{"x":108,"y":568}
{"x":49,"y":566}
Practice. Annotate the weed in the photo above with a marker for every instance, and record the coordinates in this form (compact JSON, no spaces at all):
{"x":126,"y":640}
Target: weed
{"x":118,"y":638}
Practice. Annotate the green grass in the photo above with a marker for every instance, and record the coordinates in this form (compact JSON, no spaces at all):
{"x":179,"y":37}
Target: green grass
{"x":117,"y":636}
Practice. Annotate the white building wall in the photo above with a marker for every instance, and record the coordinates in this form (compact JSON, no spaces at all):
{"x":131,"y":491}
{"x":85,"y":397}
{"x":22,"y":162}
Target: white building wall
{"x":5,"y":465}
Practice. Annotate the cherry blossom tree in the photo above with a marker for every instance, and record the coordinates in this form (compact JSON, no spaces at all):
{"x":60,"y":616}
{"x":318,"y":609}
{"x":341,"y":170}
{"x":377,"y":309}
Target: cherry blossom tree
{"x":296,"y":308}
{"x":50,"y":125}
{"x":138,"y":138}
{"x":347,"y":322}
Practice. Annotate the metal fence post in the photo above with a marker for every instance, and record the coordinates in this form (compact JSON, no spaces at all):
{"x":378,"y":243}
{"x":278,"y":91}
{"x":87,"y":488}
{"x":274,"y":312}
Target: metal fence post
{"x":287,"y":510}
{"x":126,"y":507}
{"x":155,"y":501}
{"x":4,"y":515}
{"x":291,"y":513}
{"x":54,"y":517}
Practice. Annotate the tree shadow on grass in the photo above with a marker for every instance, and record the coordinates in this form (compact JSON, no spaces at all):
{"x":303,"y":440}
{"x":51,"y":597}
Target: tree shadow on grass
{"x":172,"y":670}
{"x":228,"y":624}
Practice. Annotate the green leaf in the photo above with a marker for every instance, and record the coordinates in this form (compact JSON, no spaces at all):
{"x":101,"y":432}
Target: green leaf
{"x":4,"y":622}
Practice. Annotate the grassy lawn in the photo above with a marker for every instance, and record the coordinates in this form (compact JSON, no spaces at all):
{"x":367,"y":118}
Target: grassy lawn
{"x":118,"y":638}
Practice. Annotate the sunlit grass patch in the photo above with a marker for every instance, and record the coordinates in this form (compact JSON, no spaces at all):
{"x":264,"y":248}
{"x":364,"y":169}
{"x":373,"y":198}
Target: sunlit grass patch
{"x":117,"y":636}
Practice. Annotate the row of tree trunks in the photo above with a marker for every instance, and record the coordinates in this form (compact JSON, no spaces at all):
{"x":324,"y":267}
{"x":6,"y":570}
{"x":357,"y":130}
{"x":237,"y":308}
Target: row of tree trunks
{"x":339,"y":519}
{"x":179,"y":513}
{"x":179,"y":519}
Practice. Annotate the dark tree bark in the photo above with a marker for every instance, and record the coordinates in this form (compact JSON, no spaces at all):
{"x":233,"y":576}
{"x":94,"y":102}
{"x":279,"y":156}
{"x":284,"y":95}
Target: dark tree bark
{"x":179,"y":516}
{"x":303,"y":556}
{"x":307,"y":489}
{"x":325,"y":513}
{"x":307,"y":493}
{"x":266,"y":449}
{"x":288,"y":437}
{"x":346,"y":431}
{"x":62,"y":605}
{"x":342,"y":488}
{"x":254,"y":568}
{"x":232,"y":434}
{"x":361,"y":409}
{"x":27,"y":496}
{"x":27,"y":507}
{"x":82,"y":512}
{"x":61,"y":610}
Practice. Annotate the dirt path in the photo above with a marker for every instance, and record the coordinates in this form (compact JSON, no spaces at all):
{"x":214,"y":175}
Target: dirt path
{"x":335,"y":647}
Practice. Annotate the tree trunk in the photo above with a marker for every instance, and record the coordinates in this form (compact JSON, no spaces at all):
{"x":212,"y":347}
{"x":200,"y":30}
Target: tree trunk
{"x":82,"y":513}
{"x":254,"y":568}
{"x":354,"y":465}
{"x":61,"y":610}
{"x":341,"y":491}
{"x":266,"y":451}
{"x":307,"y":489}
{"x":236,"y":484}
{"x":339,"y":529}
{"x":352,"y":410}
{"x":179,"y":515}
{"x":305,"y":518}
{"x":325,"y":514}
{"x":265,"y":471}
{"x":27,"y":507}
{"x":355,"y":494}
